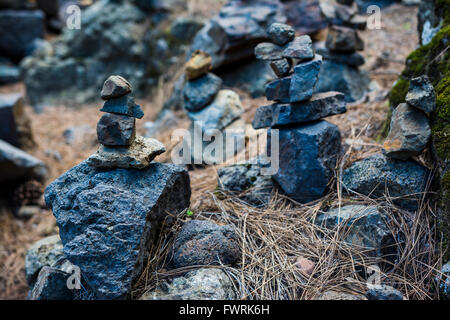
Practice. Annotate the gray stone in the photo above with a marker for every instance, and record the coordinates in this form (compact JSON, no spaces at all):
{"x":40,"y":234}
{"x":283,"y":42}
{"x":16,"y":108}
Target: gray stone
{"x":115,"y":87}
{"x":124,"y":105}
{"x":299,"y":48}
{"x":200,"y":92}
{"x":116,"y":130}
{"x":341,"y":77}
{"x":352,"y":59}
{"x":304,"y":79}
{"x":338,"y":14}
{"x":421,"y":94}
{"x":319,"y":106}
{"x":51,"y":285}
{"x":268,"y":51}
{"x":409,"y":133}
{"x":109,"y":218}
{"x":278,"y":90}
{"x":335,"y":295}
{"x":138,"y":155}
{"x":225,"y":108}
{"x":307,"y":158}
{"x":343,"y":39}
{"x":383,"y":292}
{"x":185,"y":28}
{"x":404,"y":182}
{"x":18,"y":30}
{"x":281,"y":67}
{"x":305,"y":16}
{"x":16,"y":165}
{"x":201,"y":284}
{"x":202,"y":242}
{"x":9,"y":74}
{"x":366,"y":227}
{"x":281,"y":33}
{"x":15,"y":125}
{"x":444,"y":281}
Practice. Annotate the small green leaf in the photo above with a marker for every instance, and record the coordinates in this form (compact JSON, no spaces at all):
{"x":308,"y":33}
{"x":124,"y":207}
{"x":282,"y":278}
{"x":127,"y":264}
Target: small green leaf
{"x":189,"y":213}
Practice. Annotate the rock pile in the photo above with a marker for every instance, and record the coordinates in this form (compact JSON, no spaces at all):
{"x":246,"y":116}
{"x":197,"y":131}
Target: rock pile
{"x":308,"y":146}
{"x":110,"y":208}
{"x":341,"y":61}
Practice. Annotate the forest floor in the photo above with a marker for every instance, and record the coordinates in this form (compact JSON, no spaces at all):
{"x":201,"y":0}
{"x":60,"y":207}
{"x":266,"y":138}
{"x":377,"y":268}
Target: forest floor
{"x":385,"y":53}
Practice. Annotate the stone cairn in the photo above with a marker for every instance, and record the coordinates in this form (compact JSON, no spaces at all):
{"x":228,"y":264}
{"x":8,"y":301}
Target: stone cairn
{"x":116,"y":130}
{"x":206,"y":104}
{"x":308,"y":146}
{"x":340,"y":69}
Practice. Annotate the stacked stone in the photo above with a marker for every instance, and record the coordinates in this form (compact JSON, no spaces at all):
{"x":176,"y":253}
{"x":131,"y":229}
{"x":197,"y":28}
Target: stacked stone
{"x":410,"y":129}
{"x":340,"y":69}
{"x":116,"y":130}
{"x":308,"y":146}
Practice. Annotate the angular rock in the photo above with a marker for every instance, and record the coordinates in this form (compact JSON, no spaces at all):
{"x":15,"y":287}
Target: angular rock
{"x":18,"y":30}
{"x":299,"y":48}
{"x":421,"y":94}
{"x":307,"y":158}
{"x":343,"y":39}
{"x":109,"y":218}
{"x":320,"y":105}
{"x":278,"y":90}
{"x":383,"y":292}
{"x":124,"y":105}
{"x":185,"y":28}
{"x":366,"y":227}
{"x":268,"y":51}
{"x":341,"y":77}
{"x":115,"y":87}
{"x":116,"y":130}
{"x":18,"y":166}
{"x":15,"y":126}
{"x":281,"y":67}
{"x":281,"y":33}
{"x":200,"y":92}
{"x":202,"y":242}
{"x":376,"y":176}
{"x":51,"y":285}
{"x":9,"y":74}
{"x":201,"y":284}
{"x":225,"y":108}
{"x":304,"y":79}
{"x":352,"y":59}
{"x":138,"y":155}
{"x":409,"y":133}
{"x":198,"y":65}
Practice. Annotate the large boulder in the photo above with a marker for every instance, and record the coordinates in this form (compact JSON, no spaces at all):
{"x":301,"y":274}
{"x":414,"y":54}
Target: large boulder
{"x":201,"y":284}
{"x":307,"y":158}
{"x":378,"y":176}
{"x":18,"y":32}
{"x":15,"y":126}
{"x":202,"y":242}
{"x":109,"y":218}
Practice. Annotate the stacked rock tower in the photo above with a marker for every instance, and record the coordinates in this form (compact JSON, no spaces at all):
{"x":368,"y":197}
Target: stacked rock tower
{"x":116,"y":130}
{"x":308,"y":146}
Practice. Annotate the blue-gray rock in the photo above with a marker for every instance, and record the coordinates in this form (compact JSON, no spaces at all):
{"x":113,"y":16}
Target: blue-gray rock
{"x":109,"y":218}
{"x":185,"y":28}
{"x":201,"y":92}
{"x":366,"y":227}
{"x":421,"y":94}
{"x":9,"y":74}
{"x":18,"y":166}
{"x":304,"y":79}
{"x":352,"y":59}
{"x":338,"y":14}
{"x":124,"y":105}
{"x":280,"y":33}
{"x":378,"y":176}
{"x":305,"y":16}
{"x":268,"y":51}
{"x":444,"y":281}
{"x":281,"y":67}
{"x":307,"y":158}
{"x":51,"y":285}
{"x":115,"y":87}
{"x":343,"y":39}
{"x":319,"y":106}
{"x":409,"y":133}
{"x":202,"y":242}
{"x":15,"y":126}
{"x":341,"y":77}
{"x":18,"y":30}
{"x":278,"y":90}
{"x":383,"y":292}
{"x":300,"y":48}
{"x":200,"y":284}
{"x":116,"y":130}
